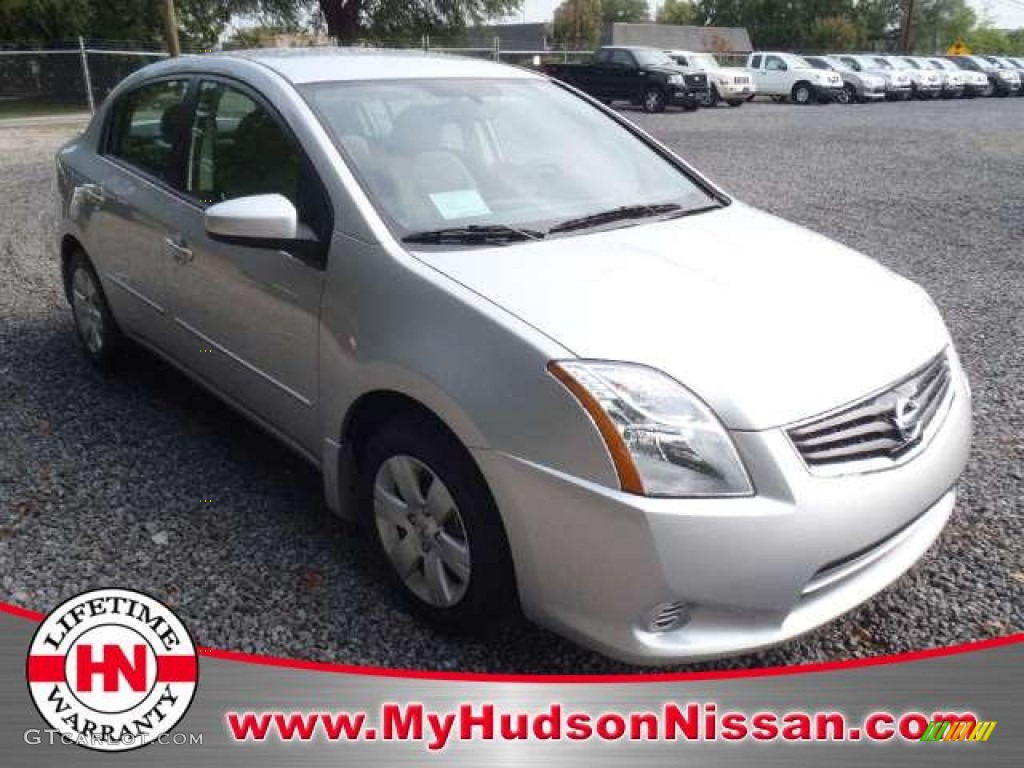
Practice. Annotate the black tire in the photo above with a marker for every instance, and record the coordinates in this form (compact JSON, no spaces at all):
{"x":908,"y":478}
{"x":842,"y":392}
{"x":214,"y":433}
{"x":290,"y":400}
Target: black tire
{"x":490,"y":594}
{"x":778,"y":99}
{"x":848,"y":95}
{"x":802,"y":93}
{"x":103,"y":350}
{"x":713,"y":97}
{"x":736,"y":103}
{"x":653,"y":100}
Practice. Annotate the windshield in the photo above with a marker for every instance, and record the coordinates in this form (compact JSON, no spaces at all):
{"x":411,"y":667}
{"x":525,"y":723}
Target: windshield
{"x":911,"y":63}
{"x":652,"y":58}
{"x":836,"y":64}
{"x":883,"y":63}
{"x":798,"y":62}
{"x":519,"y":153}
{"x":936,"y":64}
{"x":819,"y":63}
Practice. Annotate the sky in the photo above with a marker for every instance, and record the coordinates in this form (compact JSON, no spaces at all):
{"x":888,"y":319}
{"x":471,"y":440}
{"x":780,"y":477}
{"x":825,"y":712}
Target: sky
{"x":1005,"y":14}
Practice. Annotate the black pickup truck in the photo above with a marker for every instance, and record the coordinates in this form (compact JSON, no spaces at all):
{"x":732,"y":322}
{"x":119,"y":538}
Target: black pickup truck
{"x":645,"y":77}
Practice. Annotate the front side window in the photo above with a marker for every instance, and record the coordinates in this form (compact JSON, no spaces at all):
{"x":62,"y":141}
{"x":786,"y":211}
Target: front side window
{"x":520,"y":152}
{"x":238,"y":148}
{"x":622,"y":58}
{"x":147,"y":123}
{"x":774,"y":63}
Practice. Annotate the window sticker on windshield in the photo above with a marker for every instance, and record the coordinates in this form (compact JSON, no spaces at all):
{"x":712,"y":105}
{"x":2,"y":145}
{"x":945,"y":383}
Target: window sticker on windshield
{"x":459,"y":203}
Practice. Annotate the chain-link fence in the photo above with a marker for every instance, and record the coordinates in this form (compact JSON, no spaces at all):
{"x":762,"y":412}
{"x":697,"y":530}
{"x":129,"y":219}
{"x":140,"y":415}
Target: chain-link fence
{"x":71,"y":78}
{"x":77,"y":76}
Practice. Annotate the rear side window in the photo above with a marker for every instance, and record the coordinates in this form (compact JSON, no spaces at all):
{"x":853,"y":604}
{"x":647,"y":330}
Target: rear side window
{"x":147,"y":123}
{"x":755,"y":62}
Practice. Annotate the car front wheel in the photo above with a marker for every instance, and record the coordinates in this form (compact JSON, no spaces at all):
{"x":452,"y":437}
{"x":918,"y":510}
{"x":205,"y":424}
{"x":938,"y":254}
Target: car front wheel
{"x":437,"y":526}
{"x":94,"y":322}
{"x":802,"y":93}
{"x":653,"y":100}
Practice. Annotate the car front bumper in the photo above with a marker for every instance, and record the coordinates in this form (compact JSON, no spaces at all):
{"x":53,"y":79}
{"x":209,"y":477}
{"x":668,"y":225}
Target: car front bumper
{"x":685,"y":94}
{"x":822,"y":92}
{"x":872,"y":94}
{"x":736,"y":91}
{"x":594,"y":564}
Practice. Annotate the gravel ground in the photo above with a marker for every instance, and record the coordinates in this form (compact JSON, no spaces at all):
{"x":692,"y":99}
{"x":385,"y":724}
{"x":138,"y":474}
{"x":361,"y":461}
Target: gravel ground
{"x":104,"y":481}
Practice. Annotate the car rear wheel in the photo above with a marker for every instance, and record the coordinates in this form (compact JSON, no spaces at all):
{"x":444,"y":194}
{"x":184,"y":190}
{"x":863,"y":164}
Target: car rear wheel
{"x":437,"y":526}
{"x":802,"y":93}
{"x":735,"y":102}
{"x":848,"y":95}
{"x":94,"y":322}
{"x":653,"y":100}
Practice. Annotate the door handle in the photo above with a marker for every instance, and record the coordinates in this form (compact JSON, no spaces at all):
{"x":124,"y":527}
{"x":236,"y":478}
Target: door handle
{"x":181,"y":252}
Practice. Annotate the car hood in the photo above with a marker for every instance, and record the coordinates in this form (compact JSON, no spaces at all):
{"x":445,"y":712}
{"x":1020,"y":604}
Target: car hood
{"x":766,"y":321}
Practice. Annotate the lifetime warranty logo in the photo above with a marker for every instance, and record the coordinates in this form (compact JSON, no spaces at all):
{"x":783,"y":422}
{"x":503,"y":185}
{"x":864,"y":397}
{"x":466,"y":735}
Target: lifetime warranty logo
{"x":112,"y":669}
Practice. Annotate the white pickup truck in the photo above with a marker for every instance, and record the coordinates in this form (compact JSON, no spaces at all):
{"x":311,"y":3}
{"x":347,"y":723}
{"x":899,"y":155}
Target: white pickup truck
{"x":788,"y":76}
{"x":733,"y":85}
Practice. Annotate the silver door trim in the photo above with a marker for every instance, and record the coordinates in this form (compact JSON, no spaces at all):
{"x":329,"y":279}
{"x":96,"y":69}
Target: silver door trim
{"x":128,"y":289}
{"x":245,"y":363}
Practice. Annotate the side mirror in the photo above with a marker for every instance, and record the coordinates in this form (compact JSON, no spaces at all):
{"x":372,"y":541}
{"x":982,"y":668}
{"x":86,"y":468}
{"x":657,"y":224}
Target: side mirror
{"x":264,"y":221}
{"x":254,"y":220}
{"x":783,"y":67}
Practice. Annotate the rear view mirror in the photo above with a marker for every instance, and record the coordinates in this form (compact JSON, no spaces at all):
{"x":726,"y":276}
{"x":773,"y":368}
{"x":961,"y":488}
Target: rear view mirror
{"x":258,"y":218}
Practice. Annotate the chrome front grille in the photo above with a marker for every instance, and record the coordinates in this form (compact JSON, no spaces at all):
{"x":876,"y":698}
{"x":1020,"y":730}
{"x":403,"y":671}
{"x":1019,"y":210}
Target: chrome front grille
{"x":881,"y":430}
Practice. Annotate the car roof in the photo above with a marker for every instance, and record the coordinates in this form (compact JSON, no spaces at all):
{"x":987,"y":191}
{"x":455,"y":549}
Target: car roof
{"x":329,"y":63}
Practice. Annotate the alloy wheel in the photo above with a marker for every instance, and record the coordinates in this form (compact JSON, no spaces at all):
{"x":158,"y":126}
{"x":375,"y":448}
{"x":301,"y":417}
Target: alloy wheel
{"x":421,"y":530}
{"x":85,"y":302}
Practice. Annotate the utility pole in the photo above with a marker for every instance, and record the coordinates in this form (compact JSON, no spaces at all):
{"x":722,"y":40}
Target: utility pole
{"x":171,"y":28}
{"x":907,"y":26}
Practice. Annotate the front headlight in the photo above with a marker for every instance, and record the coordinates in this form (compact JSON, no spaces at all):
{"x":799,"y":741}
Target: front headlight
{"x":663,"y":440}
{"x":675,"y":79}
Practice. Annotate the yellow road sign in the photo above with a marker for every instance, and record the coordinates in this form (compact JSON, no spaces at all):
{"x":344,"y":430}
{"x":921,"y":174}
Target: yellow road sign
{"x":959,"y":48}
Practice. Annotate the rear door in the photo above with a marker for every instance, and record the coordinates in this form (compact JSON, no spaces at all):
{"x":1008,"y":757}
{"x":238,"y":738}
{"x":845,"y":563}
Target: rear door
{"x":247,"y":318}
{"x":133,"y":188}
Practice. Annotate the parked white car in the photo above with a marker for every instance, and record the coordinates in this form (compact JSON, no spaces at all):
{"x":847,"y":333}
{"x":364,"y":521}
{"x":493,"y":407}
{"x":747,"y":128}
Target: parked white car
{"x":733,"y":85}
{"x":924,"y":84}
{"x":788,"y":76}
{"x":975,"y":83}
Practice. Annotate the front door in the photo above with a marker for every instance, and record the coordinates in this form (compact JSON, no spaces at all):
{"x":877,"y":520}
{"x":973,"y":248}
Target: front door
{"x":246,"y":318}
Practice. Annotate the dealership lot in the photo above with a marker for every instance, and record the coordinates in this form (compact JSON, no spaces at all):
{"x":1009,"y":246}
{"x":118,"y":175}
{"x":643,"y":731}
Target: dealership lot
{"x":142,"y":479}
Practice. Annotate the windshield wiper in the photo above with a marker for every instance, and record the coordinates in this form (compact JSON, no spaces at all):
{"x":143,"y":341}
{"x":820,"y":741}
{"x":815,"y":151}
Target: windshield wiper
{"x":474,"y":233}
{"x":615,"y":214}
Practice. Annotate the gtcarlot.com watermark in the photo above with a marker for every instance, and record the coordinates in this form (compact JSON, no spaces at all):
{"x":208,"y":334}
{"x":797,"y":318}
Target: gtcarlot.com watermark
{"x":50,"y":737}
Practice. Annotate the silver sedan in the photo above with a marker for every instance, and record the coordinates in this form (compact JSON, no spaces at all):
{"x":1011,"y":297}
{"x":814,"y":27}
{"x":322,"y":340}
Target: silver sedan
{"x":548,"y":364}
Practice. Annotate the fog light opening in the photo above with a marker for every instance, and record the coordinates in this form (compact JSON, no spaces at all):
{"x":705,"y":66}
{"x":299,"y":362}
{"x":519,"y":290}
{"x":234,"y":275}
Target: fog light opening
{"x":668,"y":616}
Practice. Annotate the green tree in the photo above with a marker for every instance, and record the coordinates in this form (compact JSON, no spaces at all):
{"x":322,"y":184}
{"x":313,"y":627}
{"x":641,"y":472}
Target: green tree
{"x":677,"y":12}
{"x":577,"y":24}
{"x":940,"y":23}
{"x":986,"y":39}
{"x":44,"y":22}
{"x":350,"y":20}
{"x":834,"y":33}
{"x":1016,"y":40}
{"x":625,"y":10}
